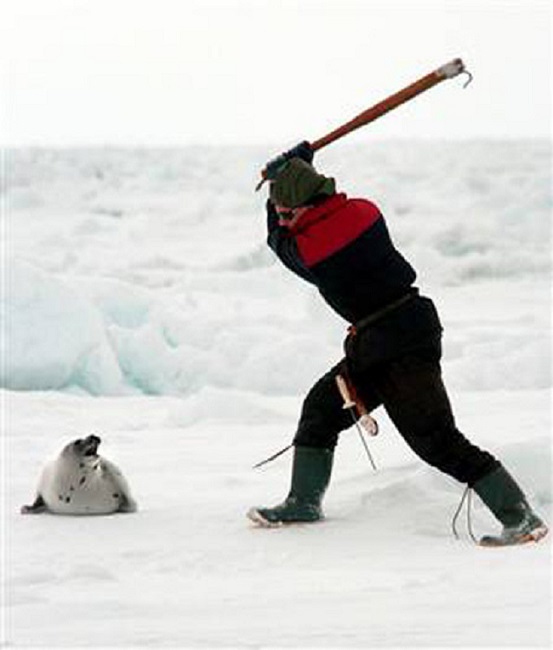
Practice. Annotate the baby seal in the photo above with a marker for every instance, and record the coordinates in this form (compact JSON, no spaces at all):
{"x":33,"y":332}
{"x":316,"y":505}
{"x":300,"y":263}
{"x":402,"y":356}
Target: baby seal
{"x":80,"y":482}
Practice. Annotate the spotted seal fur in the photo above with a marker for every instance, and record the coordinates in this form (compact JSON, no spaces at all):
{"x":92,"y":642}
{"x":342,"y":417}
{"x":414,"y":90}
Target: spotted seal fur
{"x":80,"y":482}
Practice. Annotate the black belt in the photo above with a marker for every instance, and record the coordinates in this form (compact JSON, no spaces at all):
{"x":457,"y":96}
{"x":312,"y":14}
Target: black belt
{"x":377,"y":315}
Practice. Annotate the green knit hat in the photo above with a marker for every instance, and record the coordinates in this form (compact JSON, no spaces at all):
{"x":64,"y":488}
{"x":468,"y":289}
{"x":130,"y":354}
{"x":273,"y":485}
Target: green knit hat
{"x":297,"y":183}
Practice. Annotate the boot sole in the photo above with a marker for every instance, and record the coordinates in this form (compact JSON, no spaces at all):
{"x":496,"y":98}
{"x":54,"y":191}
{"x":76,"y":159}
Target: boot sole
{"x":254,"y":515}
{"x":257,"y":518}
{"x":533,"y":536}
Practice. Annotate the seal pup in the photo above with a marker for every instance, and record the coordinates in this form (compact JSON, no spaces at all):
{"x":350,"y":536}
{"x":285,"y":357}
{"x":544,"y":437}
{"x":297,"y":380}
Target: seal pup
{"x":80,"y":482}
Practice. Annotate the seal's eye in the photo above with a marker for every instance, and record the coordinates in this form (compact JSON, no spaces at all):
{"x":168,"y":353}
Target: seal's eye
{"x":78,"y":443}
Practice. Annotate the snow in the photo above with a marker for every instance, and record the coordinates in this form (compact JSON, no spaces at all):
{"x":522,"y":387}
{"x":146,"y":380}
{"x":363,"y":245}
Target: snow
{"x":140,"y":303}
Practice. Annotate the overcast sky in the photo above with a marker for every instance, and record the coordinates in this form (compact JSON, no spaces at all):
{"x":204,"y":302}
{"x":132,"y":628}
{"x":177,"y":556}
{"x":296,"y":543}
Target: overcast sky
{"x":169,"y":72}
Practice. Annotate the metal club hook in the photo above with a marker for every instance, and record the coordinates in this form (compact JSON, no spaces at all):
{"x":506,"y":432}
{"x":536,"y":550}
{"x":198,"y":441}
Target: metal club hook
{"x":470,"y":77}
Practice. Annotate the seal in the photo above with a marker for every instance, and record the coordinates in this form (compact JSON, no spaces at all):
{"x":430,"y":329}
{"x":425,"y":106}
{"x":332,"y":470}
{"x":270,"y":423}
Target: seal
{"x":80,"y":482}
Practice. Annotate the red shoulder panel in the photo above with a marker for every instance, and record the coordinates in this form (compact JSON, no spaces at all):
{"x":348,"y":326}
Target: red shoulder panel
{"x":331,"y":226}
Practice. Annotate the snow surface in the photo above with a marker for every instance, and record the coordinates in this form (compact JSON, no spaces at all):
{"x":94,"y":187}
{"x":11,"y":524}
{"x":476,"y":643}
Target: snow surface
{"x":140,"y":302}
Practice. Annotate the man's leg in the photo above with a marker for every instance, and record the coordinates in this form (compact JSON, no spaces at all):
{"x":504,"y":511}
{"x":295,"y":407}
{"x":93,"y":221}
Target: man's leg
{"x":323,"y":416}
{"x":322,"y":419}
{"x":416,"y":399}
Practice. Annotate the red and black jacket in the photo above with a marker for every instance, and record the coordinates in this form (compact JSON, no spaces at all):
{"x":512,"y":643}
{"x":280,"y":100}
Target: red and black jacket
{"x":343,"y":247}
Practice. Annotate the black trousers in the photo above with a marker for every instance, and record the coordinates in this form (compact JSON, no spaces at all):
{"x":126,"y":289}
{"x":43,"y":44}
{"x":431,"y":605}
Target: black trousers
{"x":409,"y":386}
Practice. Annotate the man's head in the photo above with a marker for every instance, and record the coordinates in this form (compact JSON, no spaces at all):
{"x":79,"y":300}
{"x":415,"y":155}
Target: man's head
{"x":298,"y":183}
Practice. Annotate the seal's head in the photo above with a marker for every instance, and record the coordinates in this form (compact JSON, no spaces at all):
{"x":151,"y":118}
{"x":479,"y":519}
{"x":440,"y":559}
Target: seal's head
{"x":83,"y":447}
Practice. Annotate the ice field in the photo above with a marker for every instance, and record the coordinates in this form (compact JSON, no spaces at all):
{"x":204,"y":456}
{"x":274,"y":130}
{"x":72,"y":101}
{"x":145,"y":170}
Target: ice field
{"x":140,"y":303}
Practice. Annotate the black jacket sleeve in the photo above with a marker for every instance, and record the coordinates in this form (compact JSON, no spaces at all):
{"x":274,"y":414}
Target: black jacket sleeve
{"x":284,"y":245}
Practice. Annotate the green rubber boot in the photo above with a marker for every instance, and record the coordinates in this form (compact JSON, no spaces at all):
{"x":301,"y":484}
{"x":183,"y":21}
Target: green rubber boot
{"x":311,"y":470}
{"x":500,"y":492}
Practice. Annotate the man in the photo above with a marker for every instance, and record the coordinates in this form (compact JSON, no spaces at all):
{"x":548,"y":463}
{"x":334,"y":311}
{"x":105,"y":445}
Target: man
{"x":392,"y":351}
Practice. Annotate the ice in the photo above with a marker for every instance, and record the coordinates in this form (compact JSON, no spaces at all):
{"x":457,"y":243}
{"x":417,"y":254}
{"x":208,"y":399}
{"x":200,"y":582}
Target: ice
{"x":53,"y":338}
{"x":140,"y":303}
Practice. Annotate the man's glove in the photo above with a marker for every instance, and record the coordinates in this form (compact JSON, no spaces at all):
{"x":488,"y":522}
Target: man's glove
{"x":302,"y":150}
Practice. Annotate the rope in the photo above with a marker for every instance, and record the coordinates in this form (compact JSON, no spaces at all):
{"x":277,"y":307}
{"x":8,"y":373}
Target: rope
{"x":360,"y":432}
{"x":467,"y":495}
{"x":268,"y":460}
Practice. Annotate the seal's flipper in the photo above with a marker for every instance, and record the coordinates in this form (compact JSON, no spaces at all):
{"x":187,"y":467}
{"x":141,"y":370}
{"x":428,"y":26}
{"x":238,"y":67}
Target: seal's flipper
{"x":36,"y":508}
{"x":127,"y":503}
